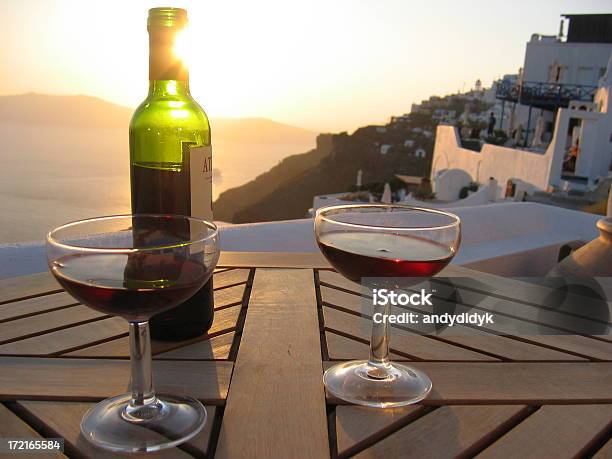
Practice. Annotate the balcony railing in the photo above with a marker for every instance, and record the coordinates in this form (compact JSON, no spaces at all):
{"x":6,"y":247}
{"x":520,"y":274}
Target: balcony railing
{"x":544,"y":95}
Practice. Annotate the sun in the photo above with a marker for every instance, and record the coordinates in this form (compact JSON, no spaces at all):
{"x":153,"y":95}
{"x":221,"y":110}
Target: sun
{"x":183,"y":46}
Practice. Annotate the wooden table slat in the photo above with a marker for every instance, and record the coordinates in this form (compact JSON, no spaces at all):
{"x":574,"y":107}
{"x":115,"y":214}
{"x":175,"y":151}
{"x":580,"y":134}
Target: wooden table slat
{"x":18,"y":288}
{"x":232,"y":277}
{"x":12,"y":426}
{"x":225,"y":320}
{"x":276,"y":407}
{"x":343,"y":348}
{"x":575,"y":345}
{"x":531,"y":383}
{"x":47,"y":322}
{"x":562,"y":431}
{"x":63,"y":419}
{"x":530,"y":316}
{"x":401,"y":341}
{"x":224,"y":296}
{"x":473,"y":337}
{"x":357,"y":426}
{"x":449,"y":431}
{"x":67,"y":339}
{"x":579,"y":345}
{"x":515,"y":289}
{"x":287,"y":260}
{"x":523,"y":313}
{"x":216,"y":348}
{"x":36,"y":305}
{"x":229,"y":296}
{"x":35,"y":378}
{"x":605,"y":452}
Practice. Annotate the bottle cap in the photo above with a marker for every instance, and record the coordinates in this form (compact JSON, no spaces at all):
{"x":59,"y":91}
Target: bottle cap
{"x":167,"y":17}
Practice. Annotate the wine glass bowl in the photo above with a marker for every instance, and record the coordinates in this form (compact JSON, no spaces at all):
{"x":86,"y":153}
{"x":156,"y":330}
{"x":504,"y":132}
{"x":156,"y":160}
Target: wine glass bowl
{"x":135,"y":266}
{"x":379,"y":243}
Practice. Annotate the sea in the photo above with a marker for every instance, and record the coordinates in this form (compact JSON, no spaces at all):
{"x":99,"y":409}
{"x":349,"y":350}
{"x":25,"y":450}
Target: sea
{"x":52,"y":175}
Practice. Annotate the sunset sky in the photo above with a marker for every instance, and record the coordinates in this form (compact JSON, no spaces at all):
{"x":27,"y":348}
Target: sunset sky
{"x":323,"y":65}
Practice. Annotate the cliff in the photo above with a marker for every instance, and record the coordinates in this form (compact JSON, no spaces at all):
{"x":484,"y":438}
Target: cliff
{"x":286,"y":191}
{"x":254,"y":193}
{"x":404,"y":146}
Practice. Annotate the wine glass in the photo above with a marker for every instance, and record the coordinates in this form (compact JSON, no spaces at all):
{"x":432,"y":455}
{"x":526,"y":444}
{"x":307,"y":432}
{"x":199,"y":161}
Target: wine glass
{"x":381,"y":242}
{"x":135,"y":266}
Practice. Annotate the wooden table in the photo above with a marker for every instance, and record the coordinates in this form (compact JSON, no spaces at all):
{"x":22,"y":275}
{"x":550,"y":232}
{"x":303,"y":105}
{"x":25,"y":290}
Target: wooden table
{"x":280,"y":320}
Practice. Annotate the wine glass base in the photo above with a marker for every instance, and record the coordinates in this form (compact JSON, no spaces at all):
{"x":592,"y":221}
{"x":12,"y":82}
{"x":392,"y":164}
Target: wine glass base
{"x":351,"y":382}
{"x":174,"y":420}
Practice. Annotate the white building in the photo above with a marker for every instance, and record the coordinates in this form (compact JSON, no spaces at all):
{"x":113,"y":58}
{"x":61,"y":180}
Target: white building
{"x":534,"y":169}
{"x":557,"y":69}
{"x":579,"y":59}
{"x":568,"y":138}
{"x":443,"y":116}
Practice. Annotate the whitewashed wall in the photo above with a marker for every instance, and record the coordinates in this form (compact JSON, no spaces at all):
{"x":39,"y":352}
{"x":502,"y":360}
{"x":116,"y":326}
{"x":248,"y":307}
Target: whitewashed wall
{"x":502,"y":163}
{"x":490,"y":234}
{"x":541,"y":52}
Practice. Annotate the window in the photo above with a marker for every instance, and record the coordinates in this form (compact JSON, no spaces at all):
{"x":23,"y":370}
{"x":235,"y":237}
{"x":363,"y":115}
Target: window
{"x":556,"y":72}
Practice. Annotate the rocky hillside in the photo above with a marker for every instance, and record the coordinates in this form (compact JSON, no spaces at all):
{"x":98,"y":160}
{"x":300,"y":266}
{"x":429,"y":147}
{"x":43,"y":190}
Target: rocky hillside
{"x":403,"y":146}
{"x":253,"y":193}
{"x":286,"y":191}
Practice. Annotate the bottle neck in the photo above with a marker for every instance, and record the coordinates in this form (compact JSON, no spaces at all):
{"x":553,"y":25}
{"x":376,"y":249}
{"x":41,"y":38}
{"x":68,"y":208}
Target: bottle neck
{"x":163,"y":88}
{"x":164,"y":64}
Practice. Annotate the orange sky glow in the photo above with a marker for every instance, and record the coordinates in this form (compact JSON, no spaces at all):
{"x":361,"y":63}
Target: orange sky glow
{"x":327,"y":66}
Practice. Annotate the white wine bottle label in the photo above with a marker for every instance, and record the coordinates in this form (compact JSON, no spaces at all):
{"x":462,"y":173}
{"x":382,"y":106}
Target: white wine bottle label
{"x":200,"y":172}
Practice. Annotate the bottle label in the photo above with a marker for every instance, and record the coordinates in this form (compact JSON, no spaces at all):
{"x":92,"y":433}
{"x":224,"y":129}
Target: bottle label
{"x":200,"y":178}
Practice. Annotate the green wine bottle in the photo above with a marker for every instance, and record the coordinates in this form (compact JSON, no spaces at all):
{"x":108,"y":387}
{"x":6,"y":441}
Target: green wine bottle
{"x":171,"y":160}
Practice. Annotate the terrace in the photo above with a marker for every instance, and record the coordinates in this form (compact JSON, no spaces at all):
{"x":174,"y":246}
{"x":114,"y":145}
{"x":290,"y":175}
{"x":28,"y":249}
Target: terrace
{"x":546,"y":96}
{"x":495,"y":391}
{"x":507,"y":238}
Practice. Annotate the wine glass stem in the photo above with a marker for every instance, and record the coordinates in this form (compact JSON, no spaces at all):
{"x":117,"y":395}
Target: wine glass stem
{"x":140,"y":357}
{"x":379,"y":343}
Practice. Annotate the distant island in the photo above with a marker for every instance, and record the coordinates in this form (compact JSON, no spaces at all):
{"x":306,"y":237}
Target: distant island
{"x":69,"y":159}
{"x":93,"y":112}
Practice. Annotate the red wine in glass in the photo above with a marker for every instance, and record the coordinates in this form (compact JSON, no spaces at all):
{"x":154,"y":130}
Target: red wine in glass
{"x":153,"y":283}
{"x":383,"y":242}
{"x":100,"y":263}
{"x":368,"y":254}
